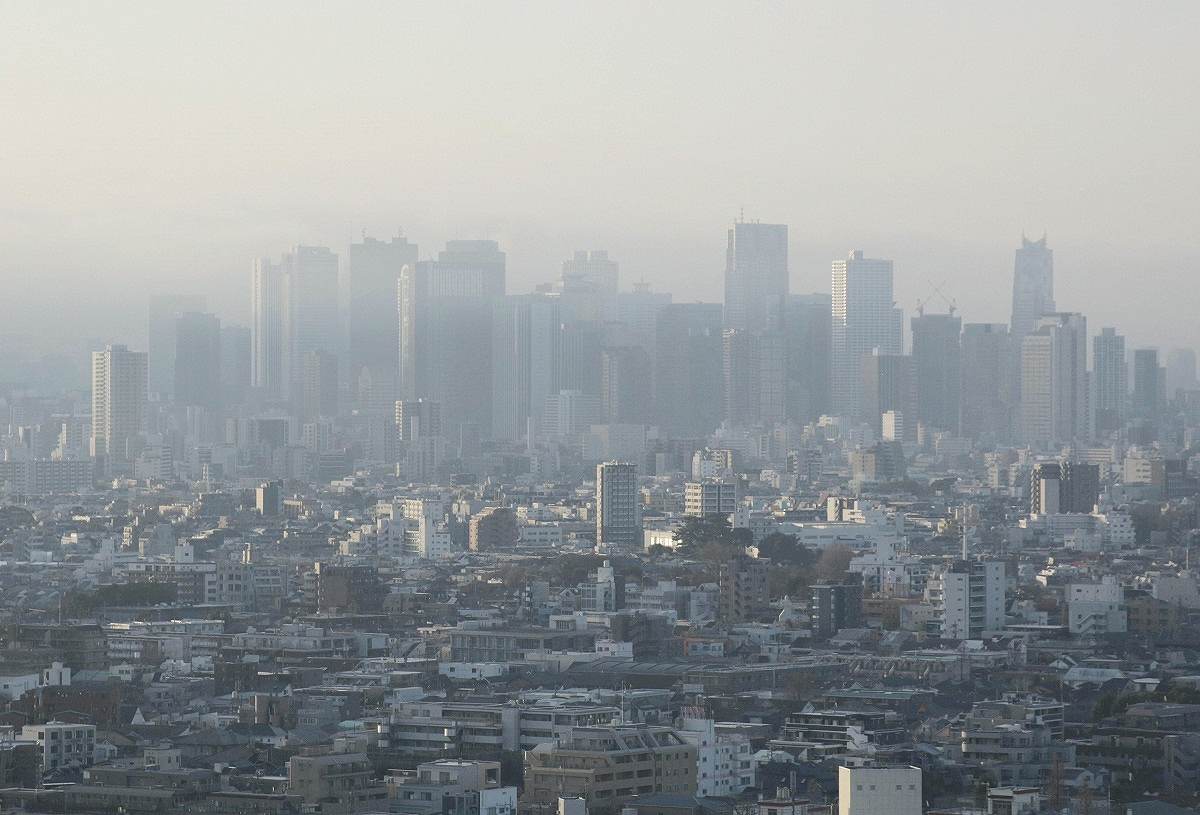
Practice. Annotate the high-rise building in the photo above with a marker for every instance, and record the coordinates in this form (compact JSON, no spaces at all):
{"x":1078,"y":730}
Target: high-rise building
{"x":374,"y":330}
{"x":711,"y":496}
{"x":834,"y":606}
{"x":626,"y":385}
{"x":1148,"y":386}
{"x":753,"y":376}
{"x":1033,"y":286}
{"x":743,"y":585}
{"x":418,"y":418}
{"x":446,"y":337}
{"x":618,"y":508}
{"x":319,"y":395}
{"x":267,"y":340}
{"x":688,"y":366}
{"x":1181,"y":371}
{"x":164,"y":311}
{"x":968,"y":598}
{"x":235,"y":363}
{"x":526,"y":356}
{"x":310,"y":310}
{"x":1063,"y":487}
{"x":1110,"y":377}
{"x":937,"y":368}
{"x":637,"y":315}
{"x":865,"y":319}
{"x":756,"y":276}
{"x":1054,"y":405}
{"x":197,"y":360}
{"x":889,"y":386}
{"x":588,"y":286}
{"x":987,"y":387}
{"x":118,"y":401}
{"x":807,"y":329}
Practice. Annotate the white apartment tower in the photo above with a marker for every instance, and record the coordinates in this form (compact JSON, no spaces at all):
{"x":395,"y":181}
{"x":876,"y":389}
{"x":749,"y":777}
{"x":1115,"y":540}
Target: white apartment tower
{"x":118,"y":400}
{"x":865,"y":319}
{"x":968,"y":598}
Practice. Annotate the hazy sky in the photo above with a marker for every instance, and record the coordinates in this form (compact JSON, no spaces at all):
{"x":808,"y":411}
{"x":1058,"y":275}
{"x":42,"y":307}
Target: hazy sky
{"x":159,"y":146}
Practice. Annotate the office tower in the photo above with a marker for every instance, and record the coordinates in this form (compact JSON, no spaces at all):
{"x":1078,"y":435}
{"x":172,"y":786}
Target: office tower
{"x":588,"y":286}
{"x":888,"y":385}
{"x":1054,"y":387}
{"x":865,"y":319}
{"x":756,"y":276}
{"x":967,"y":598}
{"x":742,"y":583}
{"x":754,"y":373}
{"x":618,"y":508}
{"x":937,"y":368}
{"x":235,"y":363}
{"x":526,"y":350}
{"x":626,"y":385}
{"x":987,"y":388}
{"x":712,"y":496}
{"x":374,"y":330}
{"x":637,"y":315}
{"x":580,"y":342}
{"x":164,"y":310}
{"x":267,"y":340}
{"x":198,"y":360}
{"x":1148,"y":386}
{"x":807,"y":330}
{"x":1181,"y":371}
{"x":1033,"y":286}
{"x":446,"y":337}
{"x":834,"y":606}
{"x":118,"y":401}
{"x":1063,"y":487}
{"x":319,"y":393}
{"x":310,"y":311}
{"x":688,"y":369}
{"x":417,"y":418}
{"x":1110,"y":373}
{"x":268,"y":499}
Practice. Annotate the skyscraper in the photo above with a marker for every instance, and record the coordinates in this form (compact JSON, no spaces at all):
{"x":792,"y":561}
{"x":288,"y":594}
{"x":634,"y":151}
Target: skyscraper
{"x":118,"y":401}
{"x":987,"y":387}
{"x":198,"y":360}
{"x":1181,"y":370}
{"x":310,"y":310}
{"x":235,"y":363}
{"x":1033,"y":286}
{"x":374,"y":330}
{"x":754,"y":377}
{"x":1110,"y":374}
{"x":626,"y":385}
{"x":446,"y":351}
{"x":688,"y":360}
{"x":756,"y":276}
{"x":889,"y":385}
{"x":1054,"y":380}
{"x":526,"y":350}
{"x":319,"y":395}
{"x":164,"y":310}
{"x":865,"y":319}
{"x":1148,"y":386}
{"x":267,"y":340}
{"x":937,"y":368}
{"x":588,"y":286}
{"x":807,"y":332}
{"x":618,"y":508}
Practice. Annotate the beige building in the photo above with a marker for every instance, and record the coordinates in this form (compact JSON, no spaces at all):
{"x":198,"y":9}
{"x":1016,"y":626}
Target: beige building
{"x":337,"y":782}
{"x":608,"y":766}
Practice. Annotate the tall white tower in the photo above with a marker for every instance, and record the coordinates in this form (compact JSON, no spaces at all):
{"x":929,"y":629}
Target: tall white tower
{"x":118,"y":400}
{"x":865,"y":319}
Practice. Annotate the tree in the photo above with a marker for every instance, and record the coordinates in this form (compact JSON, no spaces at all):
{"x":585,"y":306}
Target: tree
{"x":786,"y":550}
{"x":697,"y":531}
{"x":834,"y":561}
